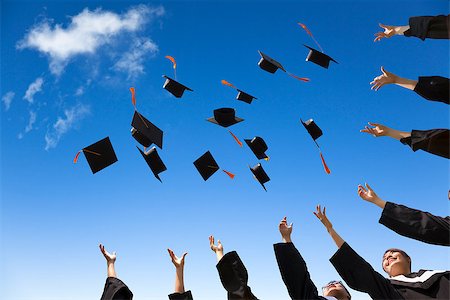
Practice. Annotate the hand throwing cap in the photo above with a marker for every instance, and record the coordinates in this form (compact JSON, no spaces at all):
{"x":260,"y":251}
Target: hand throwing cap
{"x":145,"y":132}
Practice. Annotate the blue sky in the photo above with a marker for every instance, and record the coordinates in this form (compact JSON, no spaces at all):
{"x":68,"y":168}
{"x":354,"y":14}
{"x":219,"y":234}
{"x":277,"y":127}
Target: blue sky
{"x":61,"y":95}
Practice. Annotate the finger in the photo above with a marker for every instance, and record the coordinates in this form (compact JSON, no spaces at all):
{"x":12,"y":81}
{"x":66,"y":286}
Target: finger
{"x":292,"y":224}
{"x":184,"y":255}
{"x":382,"y":26}
{"x":324,"y":211}
{"x":368,"y":187}
{"x":114,"y":253}
{"x":316,"y":215}
{"x":382,"y":70}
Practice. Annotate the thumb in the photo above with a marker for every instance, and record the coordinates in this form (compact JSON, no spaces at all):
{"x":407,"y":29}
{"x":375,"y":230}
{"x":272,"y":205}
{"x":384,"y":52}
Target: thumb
{"x":184,"y":255}
{"x":368,"y":187}
{"x":383,"y":70}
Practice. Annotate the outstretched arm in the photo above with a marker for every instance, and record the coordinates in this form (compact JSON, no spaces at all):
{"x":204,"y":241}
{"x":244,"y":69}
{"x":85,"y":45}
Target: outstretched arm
{"x":110,"y":260}
{"x":178,"y":262}
{"x":322,"y":216}
{"x":390,"y":31}
{"x":389,"y":78}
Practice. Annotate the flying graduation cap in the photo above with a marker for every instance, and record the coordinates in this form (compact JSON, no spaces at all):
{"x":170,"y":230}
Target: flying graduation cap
{"x":206,"y":165}
{"x":271,"y":65}
{"x":144,"y":131}
{"x":224,"y":117}
{"x":258,"y":147}
{"x":315,"y":56}
{"x":260,"y":175}
{"x":172,"y":85}
{"x":315,"y":132}
{"x":154,"y":161}
{"x":98,"y":155}
{"x":242,"y":96}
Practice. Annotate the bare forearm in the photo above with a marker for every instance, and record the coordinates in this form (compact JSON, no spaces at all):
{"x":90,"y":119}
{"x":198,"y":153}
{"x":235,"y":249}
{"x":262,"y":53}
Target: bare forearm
{"x":400,"y":30}
{"x":397,"y":134}
{"x":380,"y":203}
{"x":179,"y":281}
{"x":336,"y":237}
{"x":111,"y":270}
{"x":219,"y":255}
{"x":405,"y":83}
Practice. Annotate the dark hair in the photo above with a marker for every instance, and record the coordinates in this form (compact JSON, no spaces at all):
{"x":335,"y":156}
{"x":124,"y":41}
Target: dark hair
{"x":396,"y":250}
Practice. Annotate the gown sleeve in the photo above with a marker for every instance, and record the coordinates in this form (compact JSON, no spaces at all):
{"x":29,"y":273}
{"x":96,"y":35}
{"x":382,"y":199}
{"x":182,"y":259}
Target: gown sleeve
{"x":116,"y":289}
{"x":234,"y":277}
{"x":181,"y":296}
{"x":434,"y":88}
{"x":416,"y":224}
{"x":433,"y":27}
{"x":434,"y":141}
{"x":360,"y":275}
{"x":294,"y":272}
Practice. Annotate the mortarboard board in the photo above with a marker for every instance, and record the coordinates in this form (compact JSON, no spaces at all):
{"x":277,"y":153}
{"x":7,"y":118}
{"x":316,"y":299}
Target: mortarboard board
{"x":99,"y":155}
{"x":269,"y":64}
{"x":206,"y":165}
{"x":312,"y":129}
{"x":243,"y":96}
{"x":258,"y":146}
{"x":174,"y":87}
{"x":318,"y":57}
{"x":145,"y":132}
{"x":225,"y":117}
{"x":154,"y":161}
{"x":260,"y":175}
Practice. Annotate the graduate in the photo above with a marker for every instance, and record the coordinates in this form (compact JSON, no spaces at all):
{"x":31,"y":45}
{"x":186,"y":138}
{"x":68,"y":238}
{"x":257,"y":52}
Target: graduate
{"x":430,"y":27}
{"x":409,"y":222}
{"x":232,"y":272}
{"x":434,"y":88}
{"x":434,"y":141}
{"x":295,"y":273}
{"x":114,"y":289}
{"x":179,"y":293}
{"x":401,"y":284}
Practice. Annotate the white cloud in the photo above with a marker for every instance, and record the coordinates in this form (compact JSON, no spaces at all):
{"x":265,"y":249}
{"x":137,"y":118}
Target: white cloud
{"x":64,"y":124}
{"x":79,"y":91}
{"x":132,"y":62}
{"x":85,"y":33}
{"x":31,"y":122}
{"x":7,"y":99}
{"x":33,"y":88}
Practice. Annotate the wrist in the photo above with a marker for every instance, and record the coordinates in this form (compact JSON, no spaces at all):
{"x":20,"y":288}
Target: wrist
{"x":286,"y":239}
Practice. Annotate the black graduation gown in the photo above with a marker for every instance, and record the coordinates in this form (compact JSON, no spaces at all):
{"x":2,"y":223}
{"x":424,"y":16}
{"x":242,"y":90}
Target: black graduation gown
{"x":234,"y":277}
{"x":416,"y":224}
{"x":115,"y":289}
{"x":295,"y":273}
{"x":360,"y":275}
{"x":434,"y":88}
{"x":435,"y":141}
{"x":429,"y":27}
{"x":181,"y":296}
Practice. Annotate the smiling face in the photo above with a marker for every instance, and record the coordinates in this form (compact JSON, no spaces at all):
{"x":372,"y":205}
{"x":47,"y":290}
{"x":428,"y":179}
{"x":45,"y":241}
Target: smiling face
{"x":396,"y":262}
{"x":335,"y":289}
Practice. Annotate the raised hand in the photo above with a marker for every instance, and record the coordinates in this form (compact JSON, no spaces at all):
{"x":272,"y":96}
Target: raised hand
{"x":369,"y":195}
{"x":385,"y":78}
{"x":285,"y":230}
{"x":322,"y":216}
{"x":217,"y":249}
{"x":178,"y":262}
{"x":377,"y":130}
{"x":110,"y":258}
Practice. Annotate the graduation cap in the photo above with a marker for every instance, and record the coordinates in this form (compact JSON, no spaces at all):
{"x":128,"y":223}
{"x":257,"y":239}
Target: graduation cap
{"x":174,"y":87}
{"x":258,"y":147}
{"x":315,"y":132}
{"x":225,"y":117}
{"x":242,"y":96}
{"x":206,"y":165}
{"x":319,"y":58}
{"x":145,"y":132}
{"x":99,"y":155}
{"x":269,"y":64}
{"x":154,"y":161}
{"x":260,"y":175}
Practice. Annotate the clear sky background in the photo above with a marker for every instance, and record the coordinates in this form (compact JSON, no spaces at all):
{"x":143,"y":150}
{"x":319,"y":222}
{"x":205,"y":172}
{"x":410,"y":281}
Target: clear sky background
{"x":58,"y":98}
